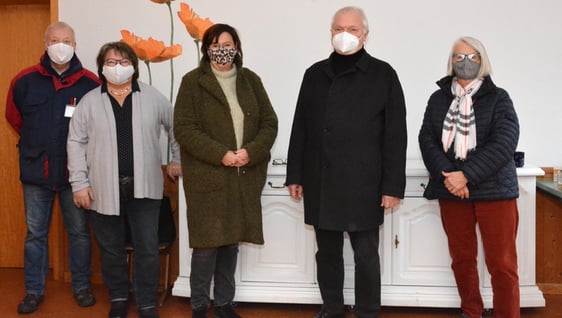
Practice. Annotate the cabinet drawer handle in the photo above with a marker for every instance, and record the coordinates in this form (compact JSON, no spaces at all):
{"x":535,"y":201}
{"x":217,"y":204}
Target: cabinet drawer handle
{"x":279,"y":162}
{"x":275,"y":186}
{"x":423,"y":185}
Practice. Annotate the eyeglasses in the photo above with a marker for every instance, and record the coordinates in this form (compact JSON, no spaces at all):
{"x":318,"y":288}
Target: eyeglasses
{"x":113,"y":62}
{"x":458,"y":57}
{"x":56,"y":41}
{"x":225,"y":45}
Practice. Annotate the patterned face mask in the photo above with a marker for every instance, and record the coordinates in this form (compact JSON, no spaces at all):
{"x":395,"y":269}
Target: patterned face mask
{"x":466,"y":69}
{"x":222,"y":56}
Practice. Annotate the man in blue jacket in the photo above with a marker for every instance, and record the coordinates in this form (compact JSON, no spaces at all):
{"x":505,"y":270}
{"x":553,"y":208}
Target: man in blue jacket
{"x":39,"y":105}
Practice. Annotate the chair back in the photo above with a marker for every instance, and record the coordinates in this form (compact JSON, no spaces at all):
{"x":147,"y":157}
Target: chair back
{"x":166,"y":225}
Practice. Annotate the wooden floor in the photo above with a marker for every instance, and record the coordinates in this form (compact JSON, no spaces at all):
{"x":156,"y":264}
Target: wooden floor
{"x":60,"y":304}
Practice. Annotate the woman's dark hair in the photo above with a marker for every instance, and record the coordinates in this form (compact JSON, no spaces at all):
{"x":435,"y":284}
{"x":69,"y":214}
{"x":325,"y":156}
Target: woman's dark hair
{"x":212,"y":35}
{"x":118,"y":47}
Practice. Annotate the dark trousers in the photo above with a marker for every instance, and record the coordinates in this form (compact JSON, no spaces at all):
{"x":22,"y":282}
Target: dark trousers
{"x":330,"y":267}
{"x":141,"y":216}
{"x":213,"y":263}
{"x":497,"y":221}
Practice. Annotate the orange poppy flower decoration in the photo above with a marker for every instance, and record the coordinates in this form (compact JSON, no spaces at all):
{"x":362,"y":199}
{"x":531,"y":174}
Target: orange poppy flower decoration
{"x":195,"y":25}
{"x":150,"y":50}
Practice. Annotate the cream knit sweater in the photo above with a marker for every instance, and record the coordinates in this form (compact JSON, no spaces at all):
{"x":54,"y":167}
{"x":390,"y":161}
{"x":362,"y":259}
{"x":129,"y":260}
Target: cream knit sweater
{"x":227,"y":81}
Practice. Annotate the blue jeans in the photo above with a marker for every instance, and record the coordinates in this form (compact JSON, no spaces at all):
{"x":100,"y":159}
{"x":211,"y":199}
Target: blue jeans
{"x":38,"y":211}
{"x":141,"y":216}
{"x":207,"y":263}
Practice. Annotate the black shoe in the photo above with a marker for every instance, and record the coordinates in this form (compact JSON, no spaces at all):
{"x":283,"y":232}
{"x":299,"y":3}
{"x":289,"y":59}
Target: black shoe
{"x":325,"y":314}
{"x":85,"y":298}
{"x":30,"y":303}
{"x":119,"y":309}
{"x":225,"y":311}
{"x":199,"y":313}
{"x":150,"y":312}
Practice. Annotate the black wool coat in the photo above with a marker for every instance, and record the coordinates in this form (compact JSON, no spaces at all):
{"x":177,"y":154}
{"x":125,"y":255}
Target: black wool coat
{"x":489,"y":168}
{"x":348,"y":144}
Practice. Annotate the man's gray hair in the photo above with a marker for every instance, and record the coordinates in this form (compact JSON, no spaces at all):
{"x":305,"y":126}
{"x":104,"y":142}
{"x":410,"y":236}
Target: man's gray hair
{"x":485,"y":65}
{"x":354,"y":9}
{"x":58,"y":25}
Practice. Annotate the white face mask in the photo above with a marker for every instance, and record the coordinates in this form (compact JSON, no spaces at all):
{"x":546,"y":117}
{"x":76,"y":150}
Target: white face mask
{"x":60,"y":53}
{"x":118,"y":74}
{"x":345,"y":43}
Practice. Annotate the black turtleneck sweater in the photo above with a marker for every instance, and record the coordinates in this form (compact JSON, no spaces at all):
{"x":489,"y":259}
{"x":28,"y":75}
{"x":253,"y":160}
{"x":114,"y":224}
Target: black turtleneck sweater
{"x":342,"y":63}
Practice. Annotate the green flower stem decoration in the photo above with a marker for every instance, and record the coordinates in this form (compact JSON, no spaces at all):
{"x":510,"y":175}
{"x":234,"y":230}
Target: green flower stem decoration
{"x":196,"y":41}
{"x":147,"y":62}
{"x":171,"y":43}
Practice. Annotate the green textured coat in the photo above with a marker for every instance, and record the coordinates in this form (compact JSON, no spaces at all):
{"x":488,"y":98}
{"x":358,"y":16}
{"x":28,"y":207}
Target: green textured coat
{"x":223,"y":203}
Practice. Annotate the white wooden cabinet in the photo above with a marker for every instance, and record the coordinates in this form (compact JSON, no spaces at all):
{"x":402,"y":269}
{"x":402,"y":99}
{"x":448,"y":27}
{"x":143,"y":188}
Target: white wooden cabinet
{"x":419,"y":250}
{"x":415,"y":262}
{"x":285,"y":259}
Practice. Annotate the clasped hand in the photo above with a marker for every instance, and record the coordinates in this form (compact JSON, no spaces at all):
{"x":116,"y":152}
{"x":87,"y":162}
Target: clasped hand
{"x":238,"y":158}
{"x":455,"y":182}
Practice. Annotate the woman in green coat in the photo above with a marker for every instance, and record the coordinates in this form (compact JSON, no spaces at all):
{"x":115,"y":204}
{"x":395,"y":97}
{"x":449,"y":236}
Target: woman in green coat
{"x":226,"y":126}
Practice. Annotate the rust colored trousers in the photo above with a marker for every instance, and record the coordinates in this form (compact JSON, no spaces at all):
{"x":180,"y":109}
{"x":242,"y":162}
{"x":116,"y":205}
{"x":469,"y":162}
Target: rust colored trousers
{"x":497,"y":221}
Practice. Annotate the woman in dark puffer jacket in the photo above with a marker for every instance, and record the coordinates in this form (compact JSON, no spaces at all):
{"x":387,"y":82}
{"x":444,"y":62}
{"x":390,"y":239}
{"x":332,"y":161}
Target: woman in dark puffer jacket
{"x":468,"y":137}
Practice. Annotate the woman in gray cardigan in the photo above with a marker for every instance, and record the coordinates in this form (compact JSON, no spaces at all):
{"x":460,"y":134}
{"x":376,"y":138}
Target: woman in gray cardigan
{"x":114,"y":160}
{"x":226,"y":126}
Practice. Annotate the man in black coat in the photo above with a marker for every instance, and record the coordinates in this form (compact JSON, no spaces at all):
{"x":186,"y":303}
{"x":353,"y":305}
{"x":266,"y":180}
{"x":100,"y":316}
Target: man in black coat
{"x":348,"y":154}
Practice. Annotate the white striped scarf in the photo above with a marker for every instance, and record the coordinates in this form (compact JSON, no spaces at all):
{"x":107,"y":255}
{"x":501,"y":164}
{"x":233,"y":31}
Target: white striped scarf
{"x":460,"y":125}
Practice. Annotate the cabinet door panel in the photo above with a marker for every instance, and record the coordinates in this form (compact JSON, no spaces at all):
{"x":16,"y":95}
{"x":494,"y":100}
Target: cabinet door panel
{"x":348,"y":263}
{"x":526,"y":236}
{"x":288,"y":253}
{"x":420,"y":254}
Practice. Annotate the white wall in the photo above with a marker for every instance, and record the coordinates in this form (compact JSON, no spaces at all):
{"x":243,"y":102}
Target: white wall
{"x":282,"y":38}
